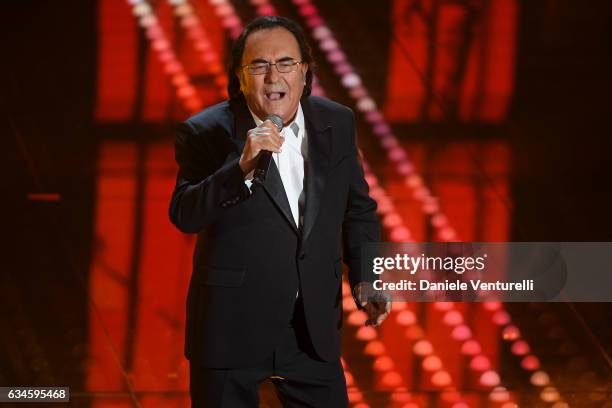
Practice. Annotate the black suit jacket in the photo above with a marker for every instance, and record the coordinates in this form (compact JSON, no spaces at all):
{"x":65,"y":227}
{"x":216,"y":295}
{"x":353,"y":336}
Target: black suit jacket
{"x":250,"y":258}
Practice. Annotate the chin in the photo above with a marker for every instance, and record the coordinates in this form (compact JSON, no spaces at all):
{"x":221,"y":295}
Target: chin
{"x":277,"y":109}
{"x":281,"y":107}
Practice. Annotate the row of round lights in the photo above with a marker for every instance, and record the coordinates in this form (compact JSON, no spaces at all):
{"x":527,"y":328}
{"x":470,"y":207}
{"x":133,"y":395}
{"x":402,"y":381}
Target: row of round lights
{"x":472,"y":350}
{"x":185,"y":91}
{"x":529,"y":361}
{"x":431,"y":363}
{"x":190,"y":21}
{"x":479,"y":362}
{"x":383,"y":364}
{"x":422,"y":347}
{"x":367,"y":106}
{"x":461,"y":332}
{"x":227,"y":14}
{"x":470,"y":347}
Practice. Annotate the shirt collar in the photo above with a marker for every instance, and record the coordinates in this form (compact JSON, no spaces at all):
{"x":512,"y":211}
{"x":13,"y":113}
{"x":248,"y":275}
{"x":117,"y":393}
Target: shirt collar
{"x":299,"y":118}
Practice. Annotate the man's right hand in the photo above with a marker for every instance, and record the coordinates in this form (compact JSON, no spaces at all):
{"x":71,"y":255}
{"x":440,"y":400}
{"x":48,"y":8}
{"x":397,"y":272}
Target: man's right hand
{"x":264,"y":137}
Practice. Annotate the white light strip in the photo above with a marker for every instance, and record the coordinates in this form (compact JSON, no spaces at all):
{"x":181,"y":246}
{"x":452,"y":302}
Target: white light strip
{"x":184,"y":89}
{"x":190,"y":21}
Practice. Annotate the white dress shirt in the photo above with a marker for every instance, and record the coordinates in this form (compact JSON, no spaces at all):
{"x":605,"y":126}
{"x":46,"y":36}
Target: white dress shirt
{"x":290,"y":162}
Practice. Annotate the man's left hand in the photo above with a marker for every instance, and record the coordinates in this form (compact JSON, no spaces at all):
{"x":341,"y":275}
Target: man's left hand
{"x":376,"y":304}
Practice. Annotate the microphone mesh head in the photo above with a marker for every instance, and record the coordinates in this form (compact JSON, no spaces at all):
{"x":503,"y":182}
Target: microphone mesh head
{"x":277,"y":120}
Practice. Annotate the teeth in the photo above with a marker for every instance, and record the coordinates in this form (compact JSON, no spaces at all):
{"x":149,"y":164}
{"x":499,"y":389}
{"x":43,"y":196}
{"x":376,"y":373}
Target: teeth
{"x":274,"y":96}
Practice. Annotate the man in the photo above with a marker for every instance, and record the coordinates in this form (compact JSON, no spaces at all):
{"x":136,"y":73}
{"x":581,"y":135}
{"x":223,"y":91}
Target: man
{"x":265,"y":300}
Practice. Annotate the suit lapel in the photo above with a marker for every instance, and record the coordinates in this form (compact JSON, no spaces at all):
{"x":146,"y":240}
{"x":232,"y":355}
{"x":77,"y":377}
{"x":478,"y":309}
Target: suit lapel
{"x":319,"y":152}
{"x":275,"y":189}
{"x":273,"y":185}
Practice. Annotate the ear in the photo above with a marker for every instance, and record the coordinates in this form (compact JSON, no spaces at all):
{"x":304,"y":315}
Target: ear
{"x":240,"y":74}
{"x":304,"y":68}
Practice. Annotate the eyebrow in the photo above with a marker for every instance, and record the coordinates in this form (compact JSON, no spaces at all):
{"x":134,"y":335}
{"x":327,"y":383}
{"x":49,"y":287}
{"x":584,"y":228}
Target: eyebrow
{"x":261,"y":60}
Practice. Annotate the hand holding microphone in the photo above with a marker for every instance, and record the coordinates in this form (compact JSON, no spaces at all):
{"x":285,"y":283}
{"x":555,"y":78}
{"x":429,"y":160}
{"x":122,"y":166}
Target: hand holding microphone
{"x":260,"y":143}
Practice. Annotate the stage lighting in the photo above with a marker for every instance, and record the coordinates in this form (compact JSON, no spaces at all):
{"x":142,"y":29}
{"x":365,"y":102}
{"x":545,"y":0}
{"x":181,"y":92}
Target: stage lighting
{"x":480,"y":363}
{"x":471,"y":348}
{"x":540,"y":379}
{"x":520,"y":348}
{"x":432,"y":363}
{"x":441,"y":379}
{"x":461,"y":332}
{"x":374,"y":348}
{"x":489,"y":378}
{"x":422,"y":348}
{"x":406,"y":318}
{"x":530,"y":363}
{"x":511,"y":333}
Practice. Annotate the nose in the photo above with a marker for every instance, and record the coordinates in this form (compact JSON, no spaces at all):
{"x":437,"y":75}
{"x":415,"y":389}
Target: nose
{"x":272,"y":75}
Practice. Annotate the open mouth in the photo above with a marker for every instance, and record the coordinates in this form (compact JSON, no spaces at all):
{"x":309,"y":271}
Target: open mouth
{"x":275,"y":96}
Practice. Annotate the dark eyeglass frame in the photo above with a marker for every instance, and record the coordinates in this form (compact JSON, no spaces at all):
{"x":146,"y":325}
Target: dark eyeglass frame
{"x":255,"y":68}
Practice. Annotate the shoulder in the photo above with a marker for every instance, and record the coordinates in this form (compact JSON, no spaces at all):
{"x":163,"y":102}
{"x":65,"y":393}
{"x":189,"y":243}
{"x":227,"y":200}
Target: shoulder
{"x":327,"y":113}
{"x":328,"y":107}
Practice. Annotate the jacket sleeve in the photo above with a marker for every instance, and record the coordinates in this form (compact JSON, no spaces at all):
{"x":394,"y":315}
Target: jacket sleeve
{"x":360,"y":223}
{"x":209,"y":178}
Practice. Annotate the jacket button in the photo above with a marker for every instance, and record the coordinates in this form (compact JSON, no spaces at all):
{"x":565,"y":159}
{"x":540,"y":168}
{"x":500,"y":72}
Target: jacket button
{"x":302,"y":256}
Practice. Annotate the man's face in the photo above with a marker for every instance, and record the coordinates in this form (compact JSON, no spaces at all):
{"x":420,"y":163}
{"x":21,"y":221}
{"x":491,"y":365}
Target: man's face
{"x":272,"y":93}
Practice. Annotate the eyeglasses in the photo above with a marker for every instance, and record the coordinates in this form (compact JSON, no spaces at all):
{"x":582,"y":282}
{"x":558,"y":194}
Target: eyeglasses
{"x":260,"y":68}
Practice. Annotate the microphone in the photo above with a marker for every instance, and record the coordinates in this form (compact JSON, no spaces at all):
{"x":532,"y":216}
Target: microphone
{"x":261,"y":171}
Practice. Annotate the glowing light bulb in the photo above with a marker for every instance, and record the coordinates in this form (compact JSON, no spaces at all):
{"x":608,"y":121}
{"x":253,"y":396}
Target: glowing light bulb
{"x":441,"y":378}
{"x":540,"y":378}
{"x":443,"y":306}
{"x":391,"y":379}
{"x":406,"y":318}
{"x":366,"y":333}
{"x":470,"y":348}
{"x":461,"y":332}
{"x":452,"y":318}
{"x":499,"y":394}
{"x":357,"y":318}
{"x":321,"y":32}
{"x":351,"y":80}
{"x":422,"y":348}
{"x":383,"y":363}
{"x":491,"y":306}
{"x":329,"y":45}
{"x":374,"y":348}
{"x":520,"y":348}
{"x":501,"y":318}
{"x":530,"y":363}
{"x":480,"y":363}
{"x":511,"y":333}
{"x":490,"y":378}
{"x":432,"y":363}
{"x":550,"y":394}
